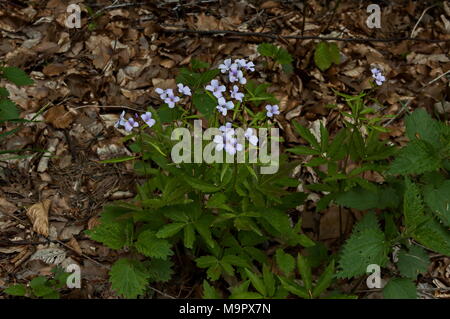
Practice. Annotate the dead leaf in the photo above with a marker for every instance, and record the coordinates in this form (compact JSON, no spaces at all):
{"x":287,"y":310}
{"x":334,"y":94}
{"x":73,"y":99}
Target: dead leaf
{"x":38,"y":215}
{"x":59,"y":117}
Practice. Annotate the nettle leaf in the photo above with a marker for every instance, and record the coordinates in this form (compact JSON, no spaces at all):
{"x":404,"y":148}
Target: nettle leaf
{"x":115,"y":235}
{"x":129,"y":277}
{"x":438,"y":199}
{"x":412,"y":262}
{"x":400,"y":288}
{"x":425,"y":229}
{"x":364,"y":247}
{"x":285,"y":262}
{"x":8,"y":110}
{"x":16,"y":76}
{"x":416,"y":158}
{"x":151,"y":246}
{"x":326,"y":54}
{"x":420,"y":125}
{"x":159,"y":270}
{"x":363,"y":199}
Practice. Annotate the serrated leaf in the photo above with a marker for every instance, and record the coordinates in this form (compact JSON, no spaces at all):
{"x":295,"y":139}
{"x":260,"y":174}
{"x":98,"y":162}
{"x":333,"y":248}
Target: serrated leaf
{"x":151,"y":246}
{"x":420,"y":125}
{"x":267,"y":49}
{"x":364,"y":247}
{"x":305,"y":271}
{"x":8,"y":110}
{"x":256,"y":282}
{"x":115,"y":235}
{"x":400,"y":288}
{"x":326,"y":54}
{"x":209,"y":292}
{"x":294,"y":288}
{"x":159,"y":270}
{"x":413,"y":262}
{"x":129,"y":278}
{"x":416,"y":158}
{"x":201,"y":185}
{"x":285,"y":262}
{"x":16,"y":76}
{"x":438,"y":199}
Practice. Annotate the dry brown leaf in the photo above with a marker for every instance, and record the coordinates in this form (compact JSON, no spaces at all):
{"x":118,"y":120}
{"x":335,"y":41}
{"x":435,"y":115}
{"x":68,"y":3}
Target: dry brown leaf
{"x":59,"y":117}
{"x":38,"y":215}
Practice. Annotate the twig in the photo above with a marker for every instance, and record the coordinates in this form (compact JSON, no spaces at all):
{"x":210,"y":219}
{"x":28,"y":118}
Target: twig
{"x":434,"y":80}
{"x":298,"y":37}
{"x":106,"y":106}
{"x":420,"y":19}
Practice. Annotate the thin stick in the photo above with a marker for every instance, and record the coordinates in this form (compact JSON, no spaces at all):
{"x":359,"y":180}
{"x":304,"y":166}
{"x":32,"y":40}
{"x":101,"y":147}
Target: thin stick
{"x":420,"y":19}
{"x":298,"y":37}
{"x":440,"y":76}
{"x":106,"y":106}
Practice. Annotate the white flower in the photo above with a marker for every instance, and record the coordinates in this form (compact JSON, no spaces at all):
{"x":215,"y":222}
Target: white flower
{"x":235,"y":94}
{"x":253,"y":139}
{"x":162,"y":93}
{"x":272,"y":110}
{"x":220,"y":142}
{"x":184,"y":89}
{"x":216,"y":88}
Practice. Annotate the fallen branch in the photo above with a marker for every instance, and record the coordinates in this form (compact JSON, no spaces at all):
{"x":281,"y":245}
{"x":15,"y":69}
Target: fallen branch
{"x":298,"y":37}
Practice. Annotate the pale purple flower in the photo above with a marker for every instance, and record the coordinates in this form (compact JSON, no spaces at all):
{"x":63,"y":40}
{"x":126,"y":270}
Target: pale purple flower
{"x":225,"y":66}
{"x":250,"y":66}
{"x":235,"y":94}
{"x":272,"y":110}
{"x":226,"y":127}
{"x":236,"y":75}
{"x":121,"y":120}
{"x":184,"y":89}
{"x":224,"y":106}
{"x":216,"y":88}
{"x":240,"y":63}
{"x":162,"y":93}
{"x":252,"y":138}
{"x":379,"y":78}
{"x":171,"y":98}
{"x":147,"y":118}
{"x":231,"y":146}
{"x":130,"y":123}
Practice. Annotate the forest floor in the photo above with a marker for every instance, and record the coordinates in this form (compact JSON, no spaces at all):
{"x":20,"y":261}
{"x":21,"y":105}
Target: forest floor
{"x":85,"y":77}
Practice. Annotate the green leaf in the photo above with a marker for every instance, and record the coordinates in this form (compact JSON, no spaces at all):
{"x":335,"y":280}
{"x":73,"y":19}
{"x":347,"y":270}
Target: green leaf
{"x":8,"y":110}
{"x":129,"y":278}
{"x":307,"y":135}
{"x":201,"y":185}
{"x":189,"y":236}
{"x":118,"y":159}
{"x":438,"y":199}
{"x":326,"y":54}
{"x":420,"y":125}
{"x":159,"y":270}
{"x":294,"y":288}
{"x":267,"y":49}
{"x":256,"y":282}
{"x":4,"y":93}
{"x":170,"y":230}
{"x":363,"y":199}
{"x":285,"y":262}
{"x":16,"y":76}
{"x":209,"y":292}
{"x":303,"y":150}
{"x":305,"y":271}
{"x":16,"y":290}
{"x":400,"y":288}
{"x":364,"y":247}
{"x":151,"y":246}
{"x":206,"y":261}
{"x":416,"y":158}
{"x":413,"y":262}
{"x":168,"y":115}
{"x":205,"y":104}
{"x":197,"y":64}
{"x":324,"y":281}
{"x":115,"y":235}
{"x":40,"y":288}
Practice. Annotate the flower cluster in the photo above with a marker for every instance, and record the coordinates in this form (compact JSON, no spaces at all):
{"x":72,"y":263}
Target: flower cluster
{"x":131,"y":123}
{"x":379,"y":78}
{"x":228,"y":140}
{"x":169,"y":97}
